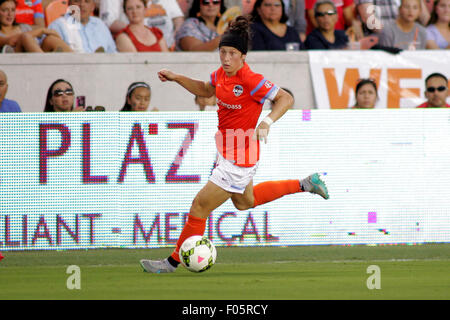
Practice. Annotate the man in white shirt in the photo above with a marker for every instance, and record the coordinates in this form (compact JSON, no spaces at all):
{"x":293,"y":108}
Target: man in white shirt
{"x":83,"y":32}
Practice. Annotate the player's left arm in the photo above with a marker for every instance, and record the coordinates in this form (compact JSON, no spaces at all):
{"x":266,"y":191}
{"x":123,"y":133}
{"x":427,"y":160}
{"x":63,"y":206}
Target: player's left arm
{"x":282,"y":102}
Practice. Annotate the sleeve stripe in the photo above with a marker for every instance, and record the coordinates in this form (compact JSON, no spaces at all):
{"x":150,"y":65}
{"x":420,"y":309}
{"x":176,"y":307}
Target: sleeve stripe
{"x":260,"y":84}
{"x":38,"y":15}
{"x":268,"y":94}
{"x":37,"y":2}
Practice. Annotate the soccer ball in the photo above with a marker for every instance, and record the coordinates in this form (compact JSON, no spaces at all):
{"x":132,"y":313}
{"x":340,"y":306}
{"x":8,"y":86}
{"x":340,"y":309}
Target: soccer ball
{"x":197,"y":254}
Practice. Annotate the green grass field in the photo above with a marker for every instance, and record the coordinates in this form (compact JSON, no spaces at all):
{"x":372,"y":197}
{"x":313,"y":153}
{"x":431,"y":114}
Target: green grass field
{"x":240,"y":273}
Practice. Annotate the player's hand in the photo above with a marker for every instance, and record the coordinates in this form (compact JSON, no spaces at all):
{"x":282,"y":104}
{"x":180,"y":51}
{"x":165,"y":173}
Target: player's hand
{"x":166,"y":75}
{"x":261,"y":132}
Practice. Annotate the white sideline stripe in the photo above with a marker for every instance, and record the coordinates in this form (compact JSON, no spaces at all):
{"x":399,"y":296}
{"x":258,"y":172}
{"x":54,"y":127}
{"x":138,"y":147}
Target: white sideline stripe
{"x":230,"y":263}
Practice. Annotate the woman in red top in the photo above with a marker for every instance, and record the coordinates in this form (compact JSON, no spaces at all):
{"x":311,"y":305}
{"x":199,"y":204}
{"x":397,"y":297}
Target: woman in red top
{"x":240,"y":95}
{"x":137,"y":37}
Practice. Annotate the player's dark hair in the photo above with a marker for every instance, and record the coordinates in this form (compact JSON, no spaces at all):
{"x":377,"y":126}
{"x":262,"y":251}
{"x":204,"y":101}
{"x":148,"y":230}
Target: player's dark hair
{"x":257,"y":18}
{"x":48,"y":106}
{"x":237,"y":34}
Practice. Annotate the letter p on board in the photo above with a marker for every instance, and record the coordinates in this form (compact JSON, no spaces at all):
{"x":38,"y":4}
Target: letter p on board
{"x":374,"y":281}
{"x":73,"y":281}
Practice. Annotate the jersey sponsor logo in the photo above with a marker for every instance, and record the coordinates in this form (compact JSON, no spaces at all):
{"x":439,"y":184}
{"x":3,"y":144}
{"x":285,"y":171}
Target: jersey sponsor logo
{"x":228,"y":106}
{"x":238,"y":90}
{"x":24,"y":11}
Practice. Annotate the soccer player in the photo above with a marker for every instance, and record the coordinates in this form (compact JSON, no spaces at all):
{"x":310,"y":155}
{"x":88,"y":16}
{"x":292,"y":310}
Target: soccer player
{"x":240,"y":96}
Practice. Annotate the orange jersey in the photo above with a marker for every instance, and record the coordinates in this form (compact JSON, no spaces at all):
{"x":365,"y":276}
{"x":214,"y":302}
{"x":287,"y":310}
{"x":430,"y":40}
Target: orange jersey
{"x":28,"y":10}
{"x":240,"y":99}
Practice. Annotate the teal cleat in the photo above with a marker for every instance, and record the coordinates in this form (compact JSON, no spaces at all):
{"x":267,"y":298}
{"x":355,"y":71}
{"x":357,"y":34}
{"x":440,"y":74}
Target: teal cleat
{"x":315,"y":185}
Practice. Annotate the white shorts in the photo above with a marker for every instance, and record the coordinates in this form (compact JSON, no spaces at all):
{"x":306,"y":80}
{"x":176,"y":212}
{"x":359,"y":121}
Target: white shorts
{"x":230,"y":177}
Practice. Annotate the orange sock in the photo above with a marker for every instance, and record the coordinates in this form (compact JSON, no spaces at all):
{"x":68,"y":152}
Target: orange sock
{"x":271,"y":190}
{"x":194,"y":226}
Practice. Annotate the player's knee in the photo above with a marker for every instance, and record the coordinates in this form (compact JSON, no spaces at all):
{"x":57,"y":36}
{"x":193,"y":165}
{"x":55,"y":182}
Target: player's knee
{"x":242,"y":206}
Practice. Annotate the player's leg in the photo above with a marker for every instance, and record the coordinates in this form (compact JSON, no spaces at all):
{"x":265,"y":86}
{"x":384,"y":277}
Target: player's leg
{"x":271,"y":190}
{"x":244,"y":201}
{"x":207,"y":200}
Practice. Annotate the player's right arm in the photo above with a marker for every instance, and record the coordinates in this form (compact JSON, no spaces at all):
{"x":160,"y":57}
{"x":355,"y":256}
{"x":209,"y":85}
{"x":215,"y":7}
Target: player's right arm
{"x":196,"y":87}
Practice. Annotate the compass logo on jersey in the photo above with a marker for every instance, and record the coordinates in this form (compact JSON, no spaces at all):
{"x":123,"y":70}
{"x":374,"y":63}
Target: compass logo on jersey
{"x":237,"y":90}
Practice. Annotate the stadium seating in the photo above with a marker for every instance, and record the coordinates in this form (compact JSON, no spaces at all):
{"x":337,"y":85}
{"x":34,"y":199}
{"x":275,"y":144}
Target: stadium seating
{"x":54,"y":10}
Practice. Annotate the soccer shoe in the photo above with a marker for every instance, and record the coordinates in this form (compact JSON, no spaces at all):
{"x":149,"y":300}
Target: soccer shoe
{"x":314,"y":185}
{"x":156,"y":266}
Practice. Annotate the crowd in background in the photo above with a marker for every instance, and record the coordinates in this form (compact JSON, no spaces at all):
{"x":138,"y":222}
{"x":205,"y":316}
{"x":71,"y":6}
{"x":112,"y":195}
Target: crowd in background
{"x":111,"y":26}
{"x":162,"y":25}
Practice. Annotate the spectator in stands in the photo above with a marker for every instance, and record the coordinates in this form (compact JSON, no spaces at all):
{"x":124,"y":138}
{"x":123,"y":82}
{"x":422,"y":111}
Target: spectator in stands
{"x":269,"y":28}
{"x":206,"y":104}
{"x":295,"y":11}
{"x":6,"y":105}
{"x":163,"y":14}
{"x":185,"y":5}
{"x":137,"y":36}
{"x":199,"y":31}
{"x":436,"y":91}
{"x":438,"y":30}
{"x":22,"y":38}
{"x":374,"y":14}
{"x":60,"y":97}
{"x":89,"y":34}
{"x":344,"y":10}
{"x":138,"y":97}
{"x":404,"y":32}
{"x":30,"y":12}
{"x":366,"y":94}
{"x":325,"y":36}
